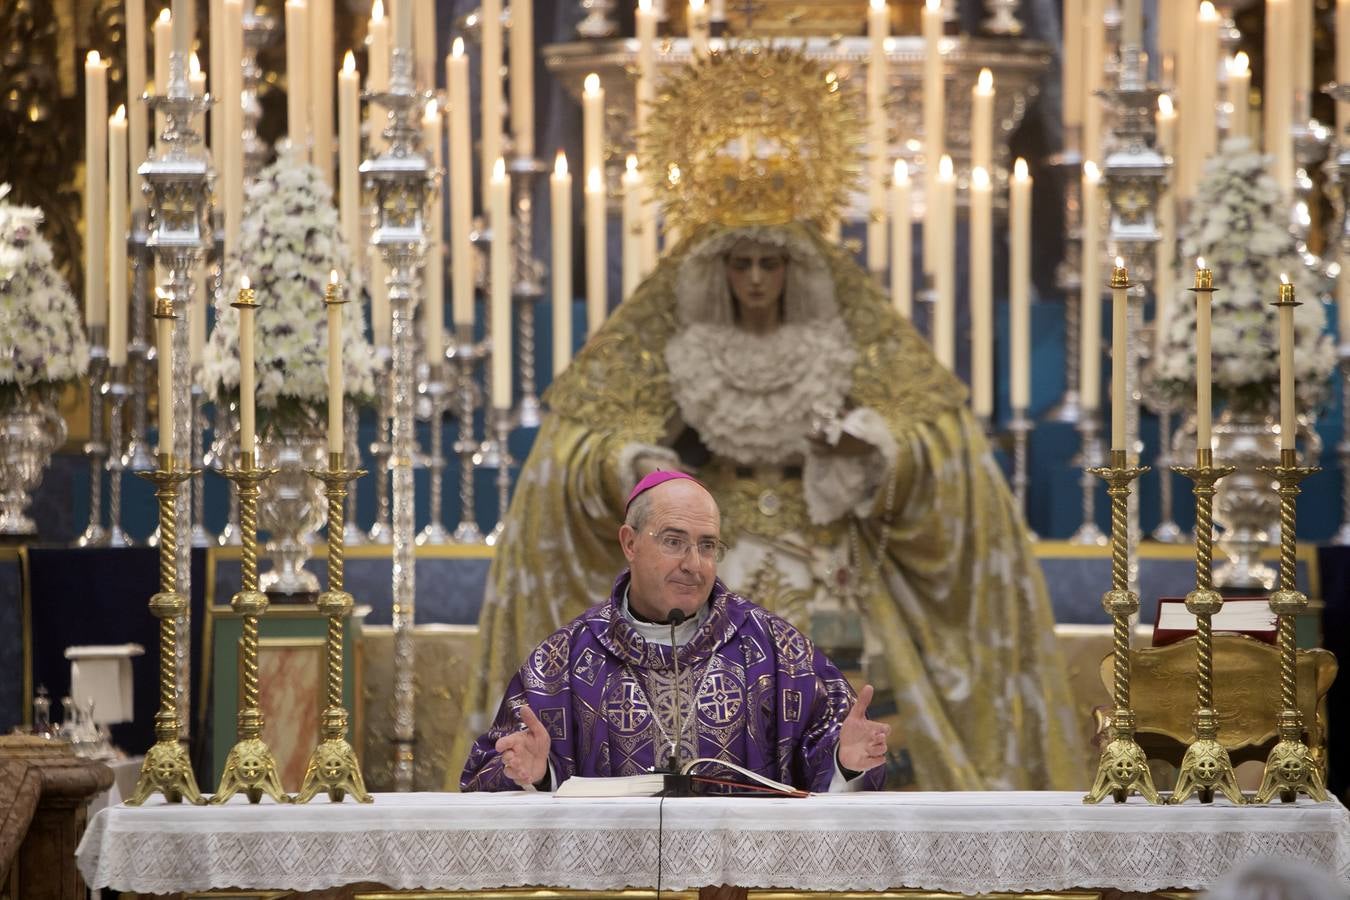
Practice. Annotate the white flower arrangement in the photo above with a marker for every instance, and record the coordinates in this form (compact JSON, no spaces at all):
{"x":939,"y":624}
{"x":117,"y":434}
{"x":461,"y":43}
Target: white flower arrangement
{"x":1240,"y":229}
{"x":42,"y":339}
{"x":289,"y":243}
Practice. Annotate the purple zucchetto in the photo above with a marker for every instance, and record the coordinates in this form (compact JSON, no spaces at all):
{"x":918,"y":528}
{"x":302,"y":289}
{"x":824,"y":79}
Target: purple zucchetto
{"x":660,"y":476}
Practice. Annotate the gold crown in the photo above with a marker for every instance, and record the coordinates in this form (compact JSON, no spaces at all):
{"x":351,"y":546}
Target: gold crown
{"x":753,"y":136}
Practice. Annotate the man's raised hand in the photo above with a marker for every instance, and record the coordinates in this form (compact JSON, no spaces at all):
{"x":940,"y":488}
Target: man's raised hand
{"x":862,"y":742}
{"x":525,"y":753}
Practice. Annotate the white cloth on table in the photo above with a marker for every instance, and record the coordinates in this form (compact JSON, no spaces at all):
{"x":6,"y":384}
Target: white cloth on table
{"x":968,"y":843}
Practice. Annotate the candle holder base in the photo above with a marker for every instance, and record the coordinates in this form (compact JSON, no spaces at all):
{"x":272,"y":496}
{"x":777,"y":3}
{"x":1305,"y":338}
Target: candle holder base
{"x":529,"y":412}
{"x":468,"y":533}
{"x":93,"y":536}
{"x":250,"y":769}
{"x":434,"y":533}
{"x":1122,"y":769}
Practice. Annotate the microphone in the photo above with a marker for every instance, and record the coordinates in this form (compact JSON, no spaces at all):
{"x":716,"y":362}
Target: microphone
{"x":677,"y":783}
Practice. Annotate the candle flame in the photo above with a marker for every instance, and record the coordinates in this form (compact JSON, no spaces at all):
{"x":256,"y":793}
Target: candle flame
{"x":349,"y":63}
{"x":377,"y":11}
{"x":165,"y":16}
{"x":457,"y":48}
{"x":332,"y":276}
{"x":985,"y":82}
{"x":1200,"y":262}
{"x":431,"y":111}
{"x":644,"y":6}
{"x":945,"y":167}
{"x":594,"y":180}
{"x":979,"y":178}
{"x":934,"y":4}
{"x":631,"y":164}
{"x":1120,"y":262}
{"x":1091,"y":172}
{"x":878,"y":5}
{"x":673,"y":175}
{"x":244,"y":283}
{"x":499,"y":170}
{"x":1207,"y":12}
{"x":1239,"y":63}
{"x":1020,"y":169}
{"x":560,"y":164}
{"x":1284,"y":278}
{"x":592,"y":84}
{"x":1165,"y":106}
{"x":900,"y":172}
{"x":120,"y":115}
{"x":93,"y":58}
{"x":194,"y":64}
{"x":696,"y":6}
{"x":888,"y":45}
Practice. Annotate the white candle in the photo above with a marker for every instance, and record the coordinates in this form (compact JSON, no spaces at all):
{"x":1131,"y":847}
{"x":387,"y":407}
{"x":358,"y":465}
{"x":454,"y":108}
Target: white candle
{"x":321,"y":67}
{"x":247,"y":372}
{"x":1090,"y":292}
{"x":933,"y":125}
{"x":1019,"y":284}
{"x":334,"y":301}
{"x":1239,"y":88}
{"x":231,"y":104}
{"x":632,"y":227}
{"x":1203,"y":119}
{"x":1071,"y":71}
{"x":490,"y":48}
{"x":163,"y":37}
{"x":117,"y":233}
{"x":981,"y":295}
{"x":522,"y":76}
{"x":878,"y":30}
{"x":944,"y":216}
{"x":184,"y":26}
{"x":138,"y":126}
{"x":402,"y":11}
{"x":216,"y":36}
{"x":196,"y":87}
{"x":377,"y":31}
{"x":1301,"y":59}
{"x":95,"y":190}
{"x":1120,"y":349}
{"x":1288,"y":407}
{"x":1278,"y":94}
{"x":1094,"y":62}
{"x":1164,"y":252}
{"x":593,"y":123}
{"x":1131,"y":22}
{"x":597,"y":302}
{"x":297,"y":81}
{"x":645,"y":26}
{"x":560,"y":193}
{"x":500,"y":276}
{"x":1204,"y":279}
{"x":424,"y":43}
{"x":1342,"y":62}
{"x":461,"y":188}
{"x":699,"y":28}
{"x":164,"y":349}
{"x":982,"y":121}
{"x":433,"y":316}
{"x":902,"y":276}
{"x":349,"y":152}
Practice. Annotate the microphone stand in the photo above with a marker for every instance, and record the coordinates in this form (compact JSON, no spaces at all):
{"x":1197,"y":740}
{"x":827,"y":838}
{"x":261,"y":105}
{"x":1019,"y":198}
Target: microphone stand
{"x":678,"y":784}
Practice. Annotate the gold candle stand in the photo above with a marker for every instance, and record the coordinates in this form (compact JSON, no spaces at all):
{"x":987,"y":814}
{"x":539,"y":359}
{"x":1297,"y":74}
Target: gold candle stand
{"x":1290,"y":768}
{"x":250,"y":766}
{"x":333,"y":766}
{"x":1123,"y":767}
{"x":167,"y":767}
{"x":1206,"y":767}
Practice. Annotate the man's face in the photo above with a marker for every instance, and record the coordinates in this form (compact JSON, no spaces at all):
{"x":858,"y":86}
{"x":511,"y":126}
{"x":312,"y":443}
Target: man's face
{"x":756,"y":273}
{"x":681,"y":512}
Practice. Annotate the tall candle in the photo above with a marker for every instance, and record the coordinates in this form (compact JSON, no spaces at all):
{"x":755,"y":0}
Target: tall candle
{"x":982,"y":121}
{"x":933,"y":125}
{"x":297,"y":78}
{"x":902,"y":224}
{"x":700,"y":30}
{"x":377,"y":31}
{"x":231,"y":104}
{"x":499,"y":217}
{"x":95,"y":190}
{"x":321,"y":67}
{"x":461,"y":187}
{"x":1204,"y":282}
{"x":216,"y":58}
{"x":1203,"y":119}
{"x":196,"y":87}
{"x":246,"y":303}
{"x":1301,"y":59}
{"x":424,"y":42}
{"x":164,"y":349}
{"x":1288,"y":408}
{"x":981,"y":294}
{"x":163,"y":36}
{"x":944,"y":275}
{"x":632,"y":227}
{"x":645,"y":26}
{"x":560,"y":193}
{"x":1120,"y":349}
{"x":1278,"y":94}
{"x":490,"y":48}
{"x":138,"y":126}
{"x":593,"y":123}
{"x":1239,"y":88}
{"x":433,"y":316}
{"x":522,"y":76}
{"x":349,"y":151}
{"x":1019,"y":284}
{"x":1094,"y":63}
{"x":117,"y":233}
{"x":1131,"y":23}
{"x":333,"y":299}
{"x":597,"y":303}
{"x":403,"y":21}
{"x":878,"y":29}
{"x":184,"y":26}
{"x":1090,"y":314}
{"x":1071,"y":70}
{"x":1164,"y":252}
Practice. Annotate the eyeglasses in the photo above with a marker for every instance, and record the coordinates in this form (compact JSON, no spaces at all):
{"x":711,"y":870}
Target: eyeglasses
{"x":676,"y":545}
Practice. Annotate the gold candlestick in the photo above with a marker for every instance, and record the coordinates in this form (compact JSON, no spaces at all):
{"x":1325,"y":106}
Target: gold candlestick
{"x":1123,"y":767}
{"x":250,"y":766}
{"x":333,"y":766}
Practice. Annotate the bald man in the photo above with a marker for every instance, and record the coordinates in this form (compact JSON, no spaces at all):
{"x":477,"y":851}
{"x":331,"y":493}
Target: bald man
{"x":599,"y":696}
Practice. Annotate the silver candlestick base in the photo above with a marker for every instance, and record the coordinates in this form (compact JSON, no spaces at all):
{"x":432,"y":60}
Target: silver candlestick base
{"x":597,"y":22}
{"x":201,"y":461}
{"x":1020,"y":427}
{"x":501,"y":430}
{"x":141,"y":354}
{"x":437,"y":392}
{"x":380,"y":447}
{"x":118,"y":393}
{"x":1090,"y":456}
{"x":1002,"y":18}
{"x":464,"y":356}
{"x":527,"y":281}
{"x":96,"y":448}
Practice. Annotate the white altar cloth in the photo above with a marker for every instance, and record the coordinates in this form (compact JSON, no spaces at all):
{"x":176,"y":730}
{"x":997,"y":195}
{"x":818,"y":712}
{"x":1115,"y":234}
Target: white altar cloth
{"x":960,"y":842}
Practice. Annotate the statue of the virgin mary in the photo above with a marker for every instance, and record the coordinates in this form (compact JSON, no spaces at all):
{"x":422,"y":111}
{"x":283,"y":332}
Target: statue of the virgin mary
{"x":852,"y":478}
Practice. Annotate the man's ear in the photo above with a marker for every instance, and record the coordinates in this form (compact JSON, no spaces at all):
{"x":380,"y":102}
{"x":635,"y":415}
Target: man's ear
{"x":628,"y":540}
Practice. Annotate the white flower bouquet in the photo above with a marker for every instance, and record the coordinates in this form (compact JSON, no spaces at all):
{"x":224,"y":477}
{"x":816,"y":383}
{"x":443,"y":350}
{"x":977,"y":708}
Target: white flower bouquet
{"x":1239,"y":227}
{"x":42,"y":339}
{"x":289,"y":243}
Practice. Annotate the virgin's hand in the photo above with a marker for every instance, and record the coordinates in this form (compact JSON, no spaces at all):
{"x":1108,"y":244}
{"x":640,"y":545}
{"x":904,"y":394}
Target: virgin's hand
{"x":862,"y":742}
{"x":847,"y":445}
{"x":525,"y":753}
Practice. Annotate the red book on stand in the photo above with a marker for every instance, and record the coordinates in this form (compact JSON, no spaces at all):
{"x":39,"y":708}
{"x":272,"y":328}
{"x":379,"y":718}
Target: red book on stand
{"x":1240,"y":615}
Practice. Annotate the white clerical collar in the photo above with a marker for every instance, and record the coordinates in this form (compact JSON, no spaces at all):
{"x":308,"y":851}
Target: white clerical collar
{"x":660,"y":634}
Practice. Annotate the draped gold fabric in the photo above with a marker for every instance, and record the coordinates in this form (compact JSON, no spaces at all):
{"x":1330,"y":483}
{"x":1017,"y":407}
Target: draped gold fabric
{"x":943,"y":574}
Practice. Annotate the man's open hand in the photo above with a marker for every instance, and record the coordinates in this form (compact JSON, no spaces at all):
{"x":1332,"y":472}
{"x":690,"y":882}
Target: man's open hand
{"x":862,"y":742}
{"x":525,"y":753}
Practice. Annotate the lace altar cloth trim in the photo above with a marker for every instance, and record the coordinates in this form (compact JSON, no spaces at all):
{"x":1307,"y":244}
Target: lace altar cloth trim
{"x":960,"y":842}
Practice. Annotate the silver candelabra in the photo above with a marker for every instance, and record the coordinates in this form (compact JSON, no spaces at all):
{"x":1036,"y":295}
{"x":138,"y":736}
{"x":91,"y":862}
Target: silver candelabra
{"x":96,"y":448}
{"x":465,"y":355}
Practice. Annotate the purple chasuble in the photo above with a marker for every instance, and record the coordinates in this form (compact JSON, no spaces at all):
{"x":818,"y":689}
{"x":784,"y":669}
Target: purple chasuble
{"x":753,"y":690}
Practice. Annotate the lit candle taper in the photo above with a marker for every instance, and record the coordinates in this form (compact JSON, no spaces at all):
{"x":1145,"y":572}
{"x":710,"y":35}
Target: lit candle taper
{"x":902,"y":223}
{"x":1239,"y":87}
{"x":981,"y":294}
{"x":522,"y":76}
{"x":1288,"y":407}
{"x":1204,"y":290}
{"x":597,"y":297}
{"x":1120,"y":348}
{"x":982,"y":121}
{"x":1090,"y":293}
{"x":499,"y":219}
{"x":461,"y":187}
{"x":560,"y":193}
{"x":95,"y":190}
{"x":117,"y":230}
{"x":334,"y":296}
{"x":247,"y":304}
{"x":593,"y":123}
{"x":943,"y":215}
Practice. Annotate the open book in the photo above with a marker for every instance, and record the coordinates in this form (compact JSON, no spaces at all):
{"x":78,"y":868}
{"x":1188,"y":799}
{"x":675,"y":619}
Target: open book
{"x":651,"y":784}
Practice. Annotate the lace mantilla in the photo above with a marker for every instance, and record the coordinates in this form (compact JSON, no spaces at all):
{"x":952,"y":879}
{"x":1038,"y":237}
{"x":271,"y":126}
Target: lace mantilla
{"x":752,"y":397}
{"x":970,"y":843}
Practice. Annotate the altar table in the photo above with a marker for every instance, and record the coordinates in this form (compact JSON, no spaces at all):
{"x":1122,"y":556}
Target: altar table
{"x":960,"y":842}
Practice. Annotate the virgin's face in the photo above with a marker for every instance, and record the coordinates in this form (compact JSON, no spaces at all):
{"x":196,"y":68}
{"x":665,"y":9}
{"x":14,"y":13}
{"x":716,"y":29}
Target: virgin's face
{"x":757,"y":274}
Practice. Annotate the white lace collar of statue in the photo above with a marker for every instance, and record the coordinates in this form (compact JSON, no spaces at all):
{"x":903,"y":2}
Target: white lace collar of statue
{"x":752,"y":398}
